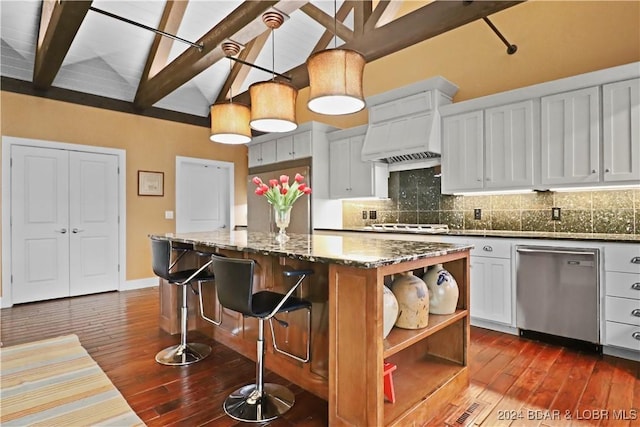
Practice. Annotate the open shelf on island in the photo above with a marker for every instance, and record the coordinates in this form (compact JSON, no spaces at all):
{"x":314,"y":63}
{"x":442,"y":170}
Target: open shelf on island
{"x":417,"y":384}
{"x":399,"y":339}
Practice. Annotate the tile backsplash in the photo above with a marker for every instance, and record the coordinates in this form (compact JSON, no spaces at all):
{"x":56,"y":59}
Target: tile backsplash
{"x":414,"y":197}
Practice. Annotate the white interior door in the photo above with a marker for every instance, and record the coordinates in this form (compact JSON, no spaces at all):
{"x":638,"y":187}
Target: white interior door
{"x":93,"y":222}
{"x":39,"y":223}
{"x":203,"y":194}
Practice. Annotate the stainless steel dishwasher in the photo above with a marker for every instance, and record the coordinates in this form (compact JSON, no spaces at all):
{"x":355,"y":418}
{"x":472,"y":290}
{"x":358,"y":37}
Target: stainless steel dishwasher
{"x":557,"y":292}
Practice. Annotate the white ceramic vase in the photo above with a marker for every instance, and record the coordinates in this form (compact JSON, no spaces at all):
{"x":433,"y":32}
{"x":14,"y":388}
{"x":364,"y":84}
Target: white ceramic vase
{"x":413,"y":301}
{"x":390,"y":311}
{"x":443,"y":290}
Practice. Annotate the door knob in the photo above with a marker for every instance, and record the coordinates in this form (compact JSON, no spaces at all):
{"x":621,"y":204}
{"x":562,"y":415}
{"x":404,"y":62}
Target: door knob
{"x":61,"y":231}
{"x":77,"y":230}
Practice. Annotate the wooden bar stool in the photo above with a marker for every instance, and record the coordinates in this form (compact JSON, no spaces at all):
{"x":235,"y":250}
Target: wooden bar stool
{"x":257,"y":402}
{"x":184,"y":353}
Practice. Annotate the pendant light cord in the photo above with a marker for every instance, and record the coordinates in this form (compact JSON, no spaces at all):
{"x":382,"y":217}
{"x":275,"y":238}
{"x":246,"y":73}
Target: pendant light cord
{"x":273,"y":56}
{"x":335,"y":25}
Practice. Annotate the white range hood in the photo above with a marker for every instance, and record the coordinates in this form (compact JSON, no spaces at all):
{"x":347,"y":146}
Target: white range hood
{"x":404,"y":124}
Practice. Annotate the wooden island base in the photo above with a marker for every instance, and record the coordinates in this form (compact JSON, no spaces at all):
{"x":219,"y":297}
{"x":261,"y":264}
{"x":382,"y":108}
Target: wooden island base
{"x":348,"y":351}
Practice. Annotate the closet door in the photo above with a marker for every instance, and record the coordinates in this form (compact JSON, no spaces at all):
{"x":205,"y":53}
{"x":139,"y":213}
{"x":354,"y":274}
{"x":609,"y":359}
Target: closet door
{"x":39,"y":223}
{"x":93,"y":222}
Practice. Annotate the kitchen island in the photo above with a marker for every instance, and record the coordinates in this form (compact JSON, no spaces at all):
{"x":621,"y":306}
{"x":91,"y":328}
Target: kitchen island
{"x":346,"y":291}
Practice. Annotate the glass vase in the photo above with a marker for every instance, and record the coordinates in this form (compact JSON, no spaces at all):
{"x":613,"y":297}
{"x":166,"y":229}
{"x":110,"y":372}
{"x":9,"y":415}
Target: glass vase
{"x":282,"y":216}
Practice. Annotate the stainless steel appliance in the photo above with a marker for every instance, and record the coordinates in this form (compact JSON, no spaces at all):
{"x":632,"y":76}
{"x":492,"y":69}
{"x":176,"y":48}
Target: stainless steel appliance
{"x":557,"y":292}
{"x":409,"y":228}
{"x":260,"y":212}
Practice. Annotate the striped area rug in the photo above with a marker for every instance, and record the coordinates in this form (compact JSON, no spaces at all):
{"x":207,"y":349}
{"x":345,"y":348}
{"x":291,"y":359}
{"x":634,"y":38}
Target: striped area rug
{"x":55,"y":382}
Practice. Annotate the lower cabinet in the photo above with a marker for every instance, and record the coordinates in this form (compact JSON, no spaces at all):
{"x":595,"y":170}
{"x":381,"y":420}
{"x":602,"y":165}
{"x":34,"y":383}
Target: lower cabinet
{"x":491,"y":289}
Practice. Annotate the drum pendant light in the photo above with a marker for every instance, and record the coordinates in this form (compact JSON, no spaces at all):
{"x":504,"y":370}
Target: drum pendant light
{"x":229,"y":120}
{"x":273,"y":103}
{"x":335,"y":79}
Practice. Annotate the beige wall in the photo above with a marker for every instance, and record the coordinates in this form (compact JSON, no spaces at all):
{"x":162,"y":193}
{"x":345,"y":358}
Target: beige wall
{"x":555,"y":39}
{"x":150,"y":144}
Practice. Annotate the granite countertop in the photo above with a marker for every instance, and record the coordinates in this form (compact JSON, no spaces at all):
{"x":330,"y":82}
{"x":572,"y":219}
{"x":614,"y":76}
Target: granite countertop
{"x":602,"y":237}
{"x":356,"y":250}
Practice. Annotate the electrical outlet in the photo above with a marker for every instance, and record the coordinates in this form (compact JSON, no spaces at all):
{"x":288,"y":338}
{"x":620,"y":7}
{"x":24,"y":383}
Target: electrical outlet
{"x":477,"y":213}
{"x":364,"y":215}
{"x":373,"y":214}
{"x":555,"y":214}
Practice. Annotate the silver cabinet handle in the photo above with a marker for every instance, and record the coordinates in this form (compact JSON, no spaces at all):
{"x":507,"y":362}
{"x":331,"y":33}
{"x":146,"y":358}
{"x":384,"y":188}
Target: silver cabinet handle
{"x":607,"y":170}
{"x":635,"y":260}
{"x":636,"y":286}
{"x":61,"y":231}
{"x":636,"y":312}
{"x":487,"y":248}
{"x":636,"y":335}
{"x":77,"y":230}
{"x":594,"y":171}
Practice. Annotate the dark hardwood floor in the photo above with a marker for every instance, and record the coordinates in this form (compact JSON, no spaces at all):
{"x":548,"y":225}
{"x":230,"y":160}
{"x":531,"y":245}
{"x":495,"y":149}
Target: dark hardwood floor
{"x":514,"y":381}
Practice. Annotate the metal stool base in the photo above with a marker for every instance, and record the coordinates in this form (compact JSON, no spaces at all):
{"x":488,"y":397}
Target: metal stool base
{"x":180,"y":355}
{"x":246,"y":405}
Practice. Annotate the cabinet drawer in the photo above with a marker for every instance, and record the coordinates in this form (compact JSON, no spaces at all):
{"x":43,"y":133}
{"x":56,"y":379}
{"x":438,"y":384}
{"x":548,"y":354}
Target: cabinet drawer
{"x":622,"y":335}
{"x":623,"y":310}
{"x":625,"y":285}
{"x":492,"y":248}
{"x":624,"y":258}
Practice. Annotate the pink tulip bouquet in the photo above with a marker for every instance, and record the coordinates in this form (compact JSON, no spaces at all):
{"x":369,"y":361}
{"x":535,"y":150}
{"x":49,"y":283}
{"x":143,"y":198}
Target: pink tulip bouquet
{"x":280,"y":193}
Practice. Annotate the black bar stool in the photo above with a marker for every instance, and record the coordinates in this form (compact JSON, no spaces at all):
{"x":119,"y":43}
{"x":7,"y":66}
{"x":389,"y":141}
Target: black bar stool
{"x":257,"y":402}
{"x":184,"y":353}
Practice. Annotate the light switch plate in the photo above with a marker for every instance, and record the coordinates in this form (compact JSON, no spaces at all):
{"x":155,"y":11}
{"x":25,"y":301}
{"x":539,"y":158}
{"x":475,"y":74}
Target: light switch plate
{"x":555,"y":214}
{"x":168,"y":214}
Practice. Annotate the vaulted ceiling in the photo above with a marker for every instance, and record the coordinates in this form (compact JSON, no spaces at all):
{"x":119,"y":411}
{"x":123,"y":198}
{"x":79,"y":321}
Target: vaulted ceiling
{"x":60,"y":48}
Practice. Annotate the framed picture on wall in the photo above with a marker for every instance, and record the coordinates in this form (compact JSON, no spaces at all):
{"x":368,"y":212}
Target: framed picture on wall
{"x":150,"y":183}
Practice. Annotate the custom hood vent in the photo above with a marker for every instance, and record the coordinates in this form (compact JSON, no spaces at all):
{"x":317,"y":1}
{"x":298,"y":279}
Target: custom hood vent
{"x":404,"y":124}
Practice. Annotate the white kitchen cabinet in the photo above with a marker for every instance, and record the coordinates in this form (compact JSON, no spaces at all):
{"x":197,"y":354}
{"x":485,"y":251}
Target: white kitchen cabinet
{"x":462,"y":156}
{"x":570,"y":137}
{"x":622,"y":296}
{"x":263,"y":153}
{"x":621,"y":136}
{"x":349,"y":176}
{"x":508,"y":146}
{"x":491,"y":290}
{"x":296,"y":146}
{"x":490,"y":150}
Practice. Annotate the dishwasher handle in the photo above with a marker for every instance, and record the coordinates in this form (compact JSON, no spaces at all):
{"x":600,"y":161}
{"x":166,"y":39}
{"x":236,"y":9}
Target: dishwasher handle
{"x":551,"y":251}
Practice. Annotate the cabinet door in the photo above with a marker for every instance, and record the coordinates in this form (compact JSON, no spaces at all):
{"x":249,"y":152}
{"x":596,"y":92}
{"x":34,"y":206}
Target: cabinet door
{"x":508,"y":146}
{"x":284,"y":148}
{"x":462,"y":152}
{"x":570,"y":140}
{"x":302,"y":145}
{"x":339,"y":168}
{"x":268,"y":152}
{"x":621,"y":121}
{"x":491,"y":289}
{"x":255,"y":155}
{"x":361,"y":178}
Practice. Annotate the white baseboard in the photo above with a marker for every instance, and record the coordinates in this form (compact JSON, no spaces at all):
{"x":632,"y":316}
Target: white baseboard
{"x":494,"y":326}
{"x":621,"y":352}
{"x":148,"y":282}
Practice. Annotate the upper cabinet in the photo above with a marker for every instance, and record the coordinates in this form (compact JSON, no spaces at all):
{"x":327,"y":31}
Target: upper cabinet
{"x":570,"y":140}
{"x":621,"y":123}
{"x":349,"y":176}
{"x":581,"y":131}
{"x":274,"y":148}
{"x":489,"y":150}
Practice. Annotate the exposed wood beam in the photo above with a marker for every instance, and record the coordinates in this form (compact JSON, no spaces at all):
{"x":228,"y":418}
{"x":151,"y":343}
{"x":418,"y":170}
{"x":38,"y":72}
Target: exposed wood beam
{"x":59,"y":23}
{"x":326,"y":37}
{"x":361,"y":14}
{"x":239,"y":72}
{"x":161,"y":46}
{"x":192,"y":62}
{"x":427,"y":22}
{"x":328,"y":22}
{"x":384,"y":13}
